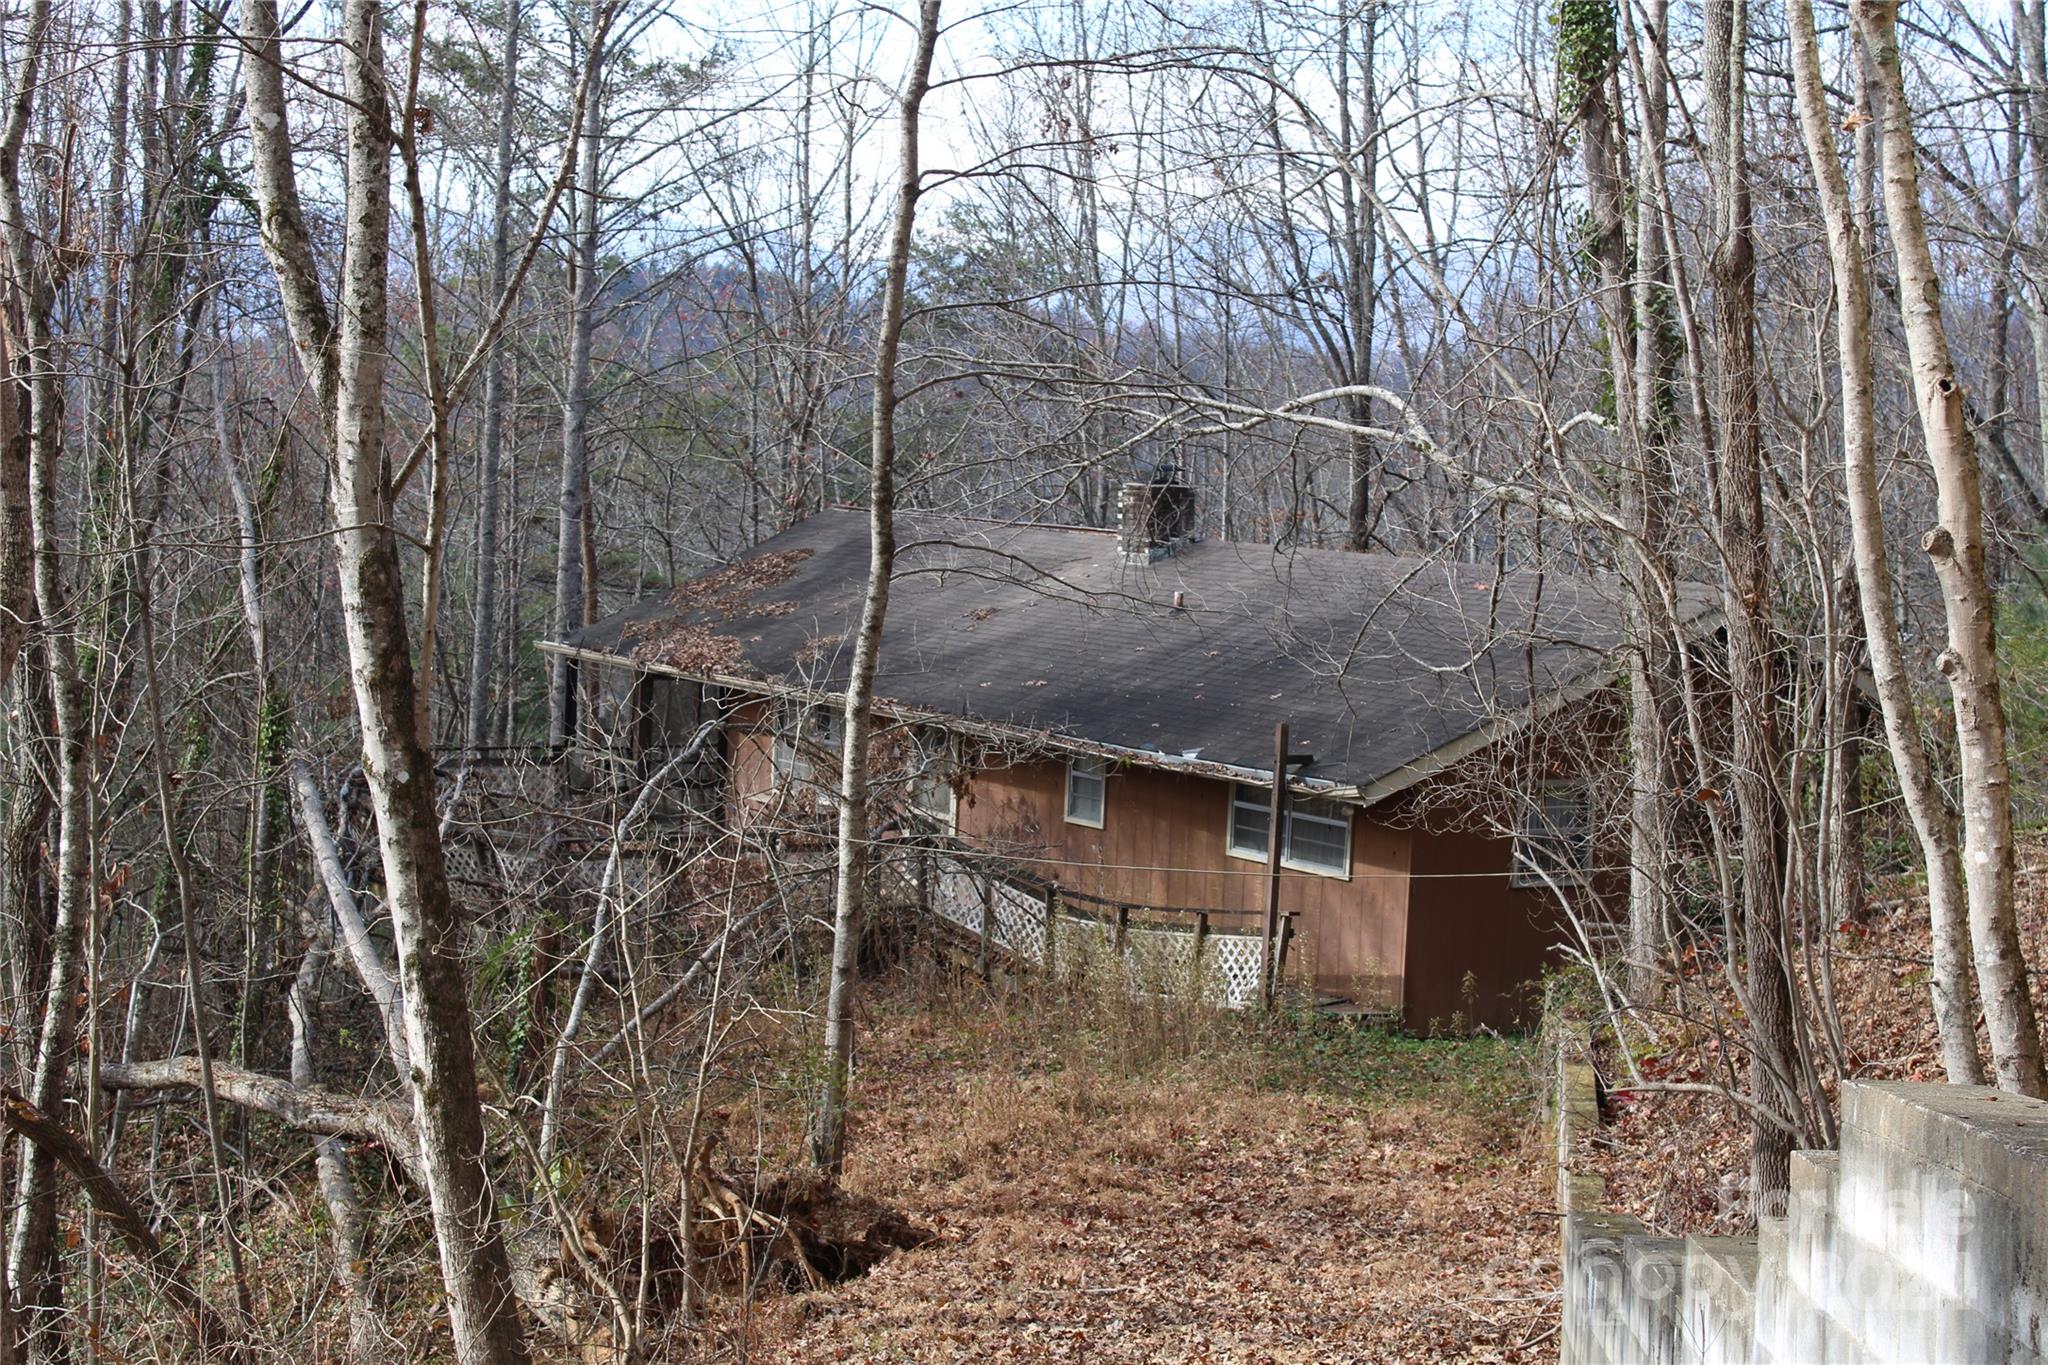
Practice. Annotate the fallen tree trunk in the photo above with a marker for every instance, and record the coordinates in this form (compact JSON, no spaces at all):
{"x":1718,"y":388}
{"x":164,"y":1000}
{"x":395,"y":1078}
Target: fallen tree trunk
{"x":537,"y":1278}
{"x":21,"y":1117}
{"x":306,"y":1108}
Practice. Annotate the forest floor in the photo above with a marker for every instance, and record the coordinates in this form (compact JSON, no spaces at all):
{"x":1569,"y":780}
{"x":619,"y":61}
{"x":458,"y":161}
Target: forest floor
{"x":1676,"y":1160}
{"x":1111,"y":1185}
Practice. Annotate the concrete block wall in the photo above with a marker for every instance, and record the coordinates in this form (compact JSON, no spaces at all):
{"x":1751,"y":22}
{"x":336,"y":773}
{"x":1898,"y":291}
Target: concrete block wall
{"x":1925,"y":1238}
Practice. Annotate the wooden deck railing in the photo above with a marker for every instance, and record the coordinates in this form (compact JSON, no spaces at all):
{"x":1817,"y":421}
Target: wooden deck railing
{"x":1007,"y":912}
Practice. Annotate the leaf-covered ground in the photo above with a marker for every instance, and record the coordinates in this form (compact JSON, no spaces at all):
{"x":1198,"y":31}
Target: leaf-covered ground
{"x":1111,"y":1188}
{"x":1679,"y":1161}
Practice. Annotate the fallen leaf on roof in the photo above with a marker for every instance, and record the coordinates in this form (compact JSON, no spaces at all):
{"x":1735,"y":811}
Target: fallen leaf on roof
{"x":689,"y":649}
{"x":729,"y":591}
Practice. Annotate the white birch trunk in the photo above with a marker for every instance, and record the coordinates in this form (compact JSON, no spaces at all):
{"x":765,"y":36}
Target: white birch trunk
{"x":1933,"y":822}
{"x":32,"y":1271}
{"x":1956,"y":547}
{"x":350,"y":367}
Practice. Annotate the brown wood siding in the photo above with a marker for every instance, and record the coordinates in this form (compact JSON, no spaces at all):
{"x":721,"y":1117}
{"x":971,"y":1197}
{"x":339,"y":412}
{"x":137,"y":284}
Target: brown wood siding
{"x":1477,"y":946}
{"x":1162,"y":844}
{"x":751,"y":752}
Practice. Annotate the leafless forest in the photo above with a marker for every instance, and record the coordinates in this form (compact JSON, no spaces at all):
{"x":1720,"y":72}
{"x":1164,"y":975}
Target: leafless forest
{"x":359,"y":1003}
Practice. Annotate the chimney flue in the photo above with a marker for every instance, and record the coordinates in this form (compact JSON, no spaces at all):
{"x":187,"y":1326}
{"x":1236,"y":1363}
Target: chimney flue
{"x":1154,"y":517}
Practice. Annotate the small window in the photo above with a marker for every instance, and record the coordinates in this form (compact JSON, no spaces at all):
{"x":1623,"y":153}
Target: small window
{"x":1085,"y":792}
{"x":931,"y":777}
{"x":804,"y":737}
{"x":1251,"y":820}
{"x":1556,"y":841}
{"x":1318,"y":836}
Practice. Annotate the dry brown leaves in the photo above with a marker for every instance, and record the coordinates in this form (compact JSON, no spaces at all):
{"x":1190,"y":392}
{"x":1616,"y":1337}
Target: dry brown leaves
{"x":1677,"y":1161}
{"x":723,"y":596}
{"x":729,"y":592}
{"x":1178,"y":1217}
{"x":690,"y":649}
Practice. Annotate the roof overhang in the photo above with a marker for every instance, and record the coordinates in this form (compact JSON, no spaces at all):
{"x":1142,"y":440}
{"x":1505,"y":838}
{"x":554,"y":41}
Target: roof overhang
{"x":1367,"y":794}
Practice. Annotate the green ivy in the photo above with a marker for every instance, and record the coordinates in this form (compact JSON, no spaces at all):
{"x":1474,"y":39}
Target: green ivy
{"x":1586,"y":50}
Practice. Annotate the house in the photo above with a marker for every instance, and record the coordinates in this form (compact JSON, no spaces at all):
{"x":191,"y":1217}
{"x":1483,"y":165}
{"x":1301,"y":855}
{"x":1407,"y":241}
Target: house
{"x":1098,"y":709}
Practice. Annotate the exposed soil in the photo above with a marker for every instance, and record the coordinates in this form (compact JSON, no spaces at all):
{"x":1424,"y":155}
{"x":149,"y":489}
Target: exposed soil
{"x":1314,"y":1193}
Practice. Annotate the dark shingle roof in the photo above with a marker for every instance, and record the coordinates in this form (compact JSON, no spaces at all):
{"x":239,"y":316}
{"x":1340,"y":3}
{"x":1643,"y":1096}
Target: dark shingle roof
{"x":1377,"y":662}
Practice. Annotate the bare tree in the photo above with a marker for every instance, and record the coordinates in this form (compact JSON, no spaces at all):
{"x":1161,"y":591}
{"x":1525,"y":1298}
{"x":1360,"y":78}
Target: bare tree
{"x":36,"y":263}
{"x":348,"y":361}
{"x":828,"y":1139}
{"x":1933,"y":822}
{"x":1956,"y":546}
{"x":1745,"y":553}
{"x":483,"y":653}
{"x":575,"y":554}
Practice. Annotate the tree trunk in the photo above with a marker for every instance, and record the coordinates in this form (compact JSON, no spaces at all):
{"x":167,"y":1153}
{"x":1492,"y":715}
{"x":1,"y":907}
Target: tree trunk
{"x":397,"y":768}
{"x":1746,"y":592}
{"x":17,"y":534}
{"x":1589,"y":54}
{"x":350,"y":366}
{"x":1361,"y":250}
{"x":32,"y":282}
{"x":484,"y":638}
{"x":1956,"y":547}
{"x":828,"y":1138}
{"x":572,"y":552}
{"x":1933,"y":822}
{"x":366,"y":1338}
{"x":2033,"y":63}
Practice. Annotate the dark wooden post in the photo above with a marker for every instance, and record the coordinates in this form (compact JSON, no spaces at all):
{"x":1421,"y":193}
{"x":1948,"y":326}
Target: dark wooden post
{"x":1201,"y":942}
{"x":988,"y":915}
{"x":1052,"y":915}
{"x":1276,"y":827}
{"x":1280,"y":958}
{"x":1123,"y":927}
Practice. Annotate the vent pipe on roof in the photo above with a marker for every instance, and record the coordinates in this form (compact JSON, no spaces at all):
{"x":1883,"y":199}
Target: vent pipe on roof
{"x":1155,"y":517}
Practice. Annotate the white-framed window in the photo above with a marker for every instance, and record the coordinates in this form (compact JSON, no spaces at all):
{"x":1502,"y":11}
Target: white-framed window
{"x":1555,"y":843}
{"x":1317,"y":837}
{"x":1087,"y":791}
{"x":804,"y":733}
{"x":932,"y":766}
{"x":1251,"y":821}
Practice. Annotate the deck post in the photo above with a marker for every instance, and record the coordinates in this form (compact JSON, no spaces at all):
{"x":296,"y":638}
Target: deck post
{"x":1052,"y":915}
{"x":1123,"y":927}
{"x":1280,"y":957}
{"x":988,"y":915}
{"x":1201,"y":942}
{"x":1276,"y":825}
{"x":923,"y":870}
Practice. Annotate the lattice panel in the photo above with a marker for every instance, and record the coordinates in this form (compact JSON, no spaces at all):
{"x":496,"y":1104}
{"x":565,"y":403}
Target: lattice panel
{"x":467,"y":864}
{"x":956,"y":896}
{"x":1018,"y":921}
{"x":1159,"y":961}
{"x":643,"y":880}
{"x":521,"y":871}
{"x":1156,"y":960}
{"x":1234,"y":959}
{"x":897,"y":880}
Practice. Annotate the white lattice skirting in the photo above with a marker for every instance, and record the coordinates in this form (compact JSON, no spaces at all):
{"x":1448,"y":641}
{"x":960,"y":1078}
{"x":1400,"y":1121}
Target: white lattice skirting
{"x":1156,"y":959}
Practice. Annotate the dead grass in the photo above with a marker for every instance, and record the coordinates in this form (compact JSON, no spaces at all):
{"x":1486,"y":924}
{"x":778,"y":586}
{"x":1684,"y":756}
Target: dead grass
{"x":1112,"y":1189}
